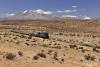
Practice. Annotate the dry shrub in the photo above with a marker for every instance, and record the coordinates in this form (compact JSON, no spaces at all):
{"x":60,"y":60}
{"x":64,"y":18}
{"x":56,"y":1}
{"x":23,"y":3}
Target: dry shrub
{"x":41,"y":55}
{"x":10,"y":56}
{"x":36,"y":57}
{"x":89,"y":57}
{"x":20,"y":53}
{"x":27,"y":44}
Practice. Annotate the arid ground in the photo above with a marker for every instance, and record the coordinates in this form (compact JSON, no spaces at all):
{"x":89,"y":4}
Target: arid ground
{"x":71,"y":43}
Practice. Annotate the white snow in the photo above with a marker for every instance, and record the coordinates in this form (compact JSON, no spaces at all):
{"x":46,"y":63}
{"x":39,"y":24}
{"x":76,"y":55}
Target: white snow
{"x":70,"y":16}
{"x":87,"y":18}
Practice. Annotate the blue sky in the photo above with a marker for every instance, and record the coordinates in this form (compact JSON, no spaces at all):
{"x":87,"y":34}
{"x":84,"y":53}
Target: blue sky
{"x":89,"y":8}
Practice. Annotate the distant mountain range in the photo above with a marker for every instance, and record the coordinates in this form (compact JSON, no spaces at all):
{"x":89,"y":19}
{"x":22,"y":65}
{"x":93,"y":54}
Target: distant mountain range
{"x":31,"y":15}
{"x":37,"y":15}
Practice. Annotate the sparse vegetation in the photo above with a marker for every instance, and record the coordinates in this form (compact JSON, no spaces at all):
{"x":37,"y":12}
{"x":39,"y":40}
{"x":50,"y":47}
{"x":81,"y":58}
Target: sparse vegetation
{"x":27,"y":44}
{"x":89,"y":57}
{"x":66,"y":44}
{"x":49,"y":52}
{"x":36,"y":57}
{"x":72,"y":46}
{"x":20,"y":53}
{"x":41,"y":55}
{"x":10,"y":56}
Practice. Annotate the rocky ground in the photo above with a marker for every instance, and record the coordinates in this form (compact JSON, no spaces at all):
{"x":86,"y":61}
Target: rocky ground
{"x":62,"y":49}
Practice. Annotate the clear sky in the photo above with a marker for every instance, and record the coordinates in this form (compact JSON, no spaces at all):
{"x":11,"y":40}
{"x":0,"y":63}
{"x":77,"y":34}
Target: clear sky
{"x":89,"y":8}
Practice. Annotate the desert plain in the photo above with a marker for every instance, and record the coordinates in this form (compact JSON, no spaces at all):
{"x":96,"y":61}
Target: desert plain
{"x":71,"y":43}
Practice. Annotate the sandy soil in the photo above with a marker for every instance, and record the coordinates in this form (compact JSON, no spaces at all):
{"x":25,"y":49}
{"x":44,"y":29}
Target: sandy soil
{"x":62,"y":49}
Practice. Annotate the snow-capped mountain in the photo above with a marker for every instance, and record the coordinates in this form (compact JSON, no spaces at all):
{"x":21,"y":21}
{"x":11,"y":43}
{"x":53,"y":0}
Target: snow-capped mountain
{"x":33,"y":15}
{"x":39,"y":15}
